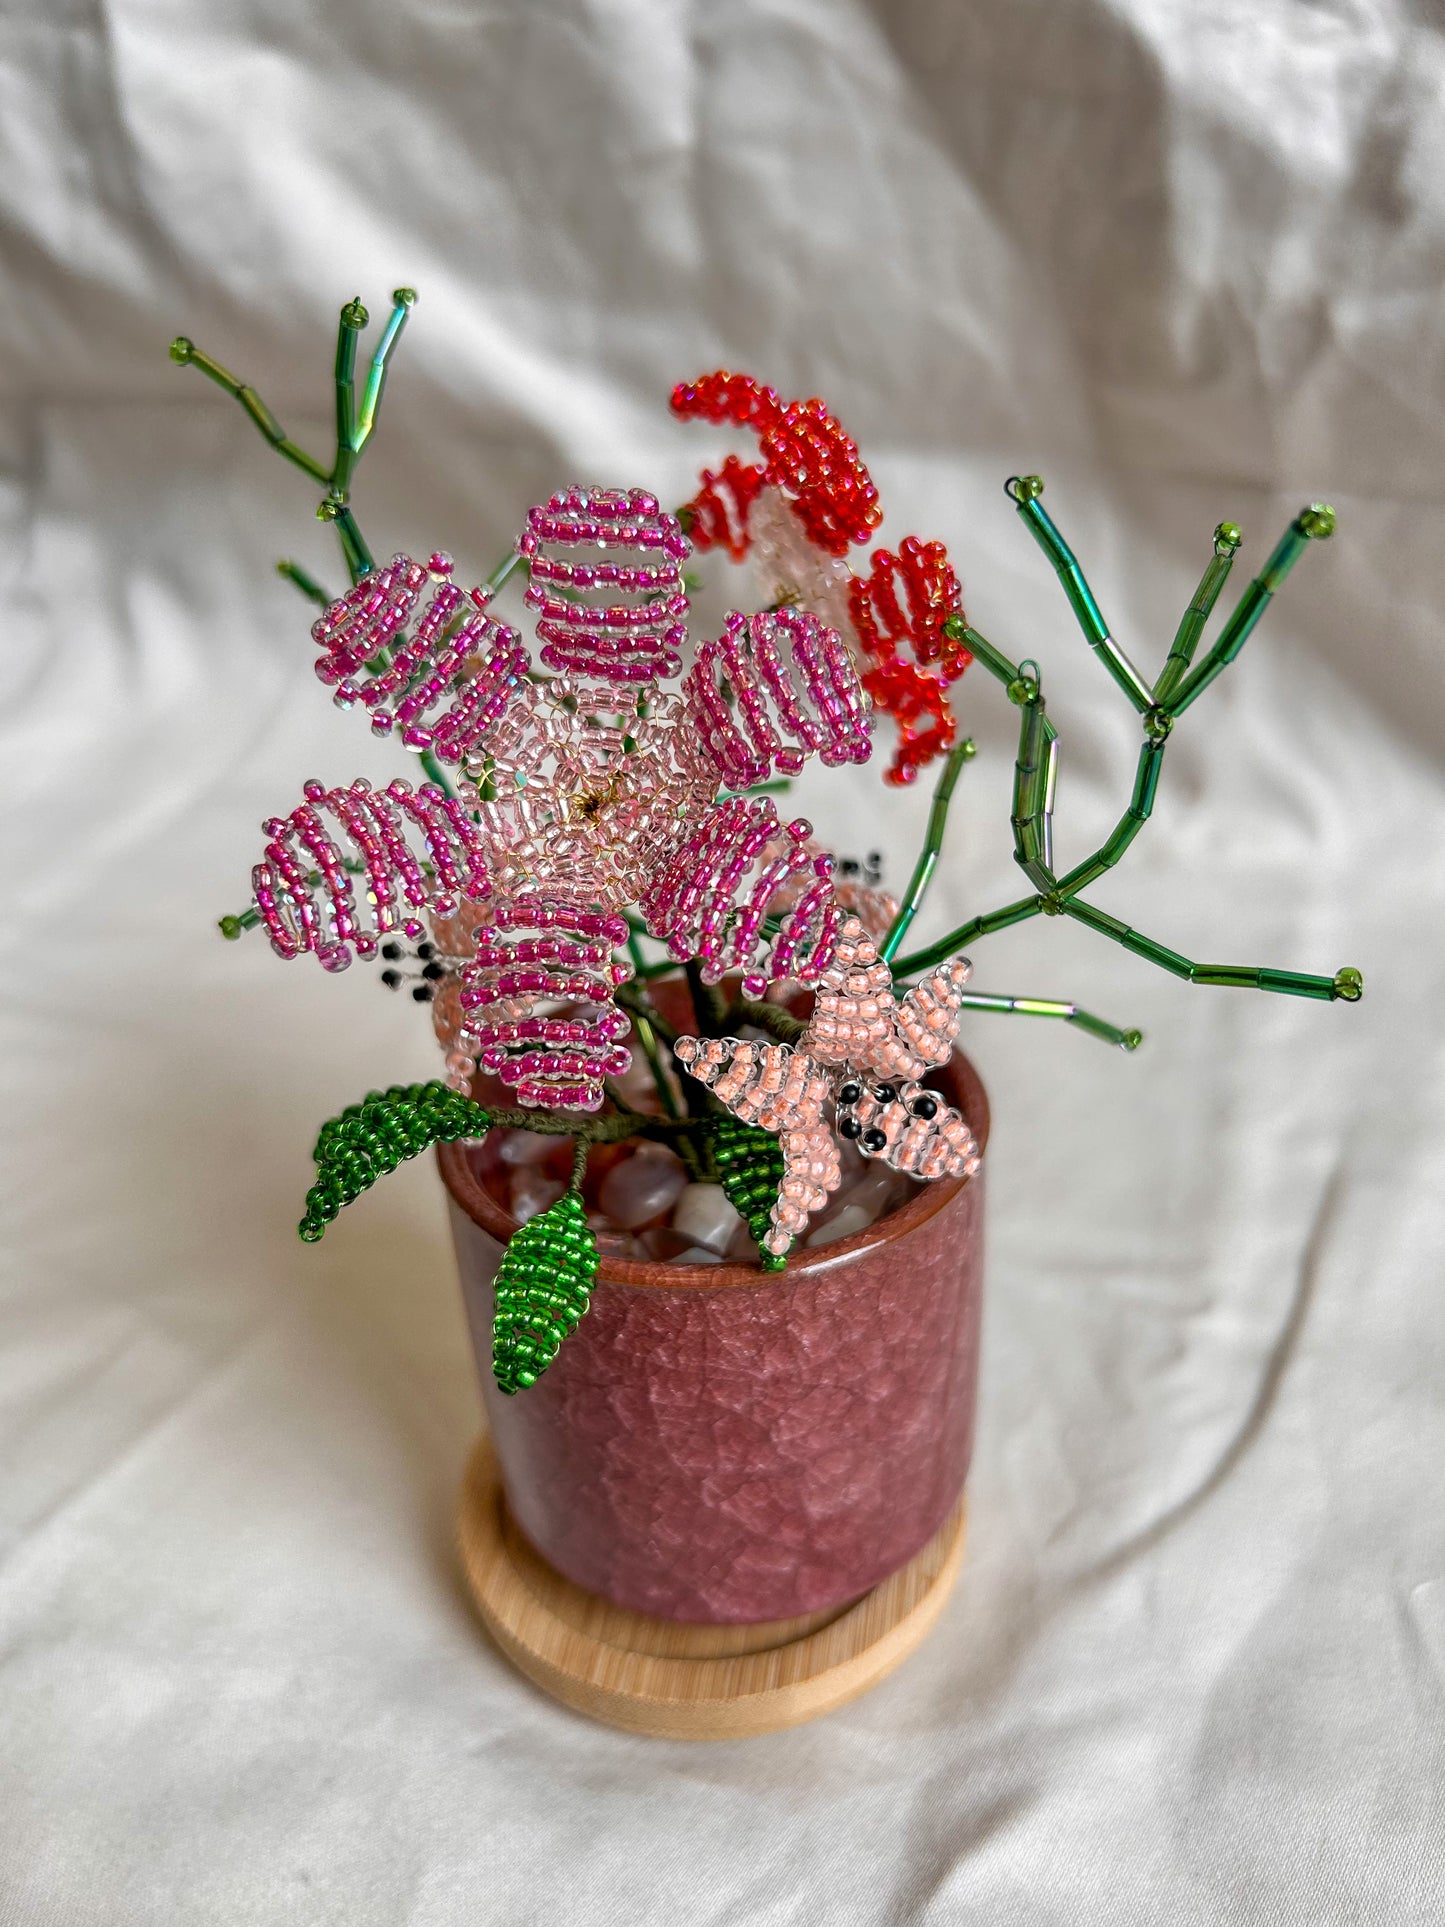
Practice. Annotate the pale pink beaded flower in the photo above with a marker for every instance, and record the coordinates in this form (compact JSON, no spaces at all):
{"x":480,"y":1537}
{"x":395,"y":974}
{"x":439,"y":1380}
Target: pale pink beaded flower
{"x":864,"y":1052}
{"x":582,"y":791}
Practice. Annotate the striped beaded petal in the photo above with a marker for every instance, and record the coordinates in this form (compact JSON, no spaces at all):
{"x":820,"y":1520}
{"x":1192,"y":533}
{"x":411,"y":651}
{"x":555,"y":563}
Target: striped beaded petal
{"x":539,"y":949}
{"x":303,"y":887}
{"x":605,"y":577}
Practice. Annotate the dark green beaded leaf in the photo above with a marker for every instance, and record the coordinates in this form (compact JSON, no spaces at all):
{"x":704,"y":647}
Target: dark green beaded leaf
{"x":543,"y":1288}
{"x":368,"y":1139}
{"x":750,"y":1169}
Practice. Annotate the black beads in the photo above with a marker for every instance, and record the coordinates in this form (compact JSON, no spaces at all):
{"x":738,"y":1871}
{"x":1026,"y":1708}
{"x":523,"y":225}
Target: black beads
{"x":849,"y":1127}
{"x":924,"y":1105}
{"x":874,"y":1139}
{"x":850,"y":1092}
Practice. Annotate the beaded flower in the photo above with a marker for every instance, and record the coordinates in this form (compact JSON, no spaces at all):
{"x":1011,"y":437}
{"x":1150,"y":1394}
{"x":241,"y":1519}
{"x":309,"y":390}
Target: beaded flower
{"x":864,"y":1053}
{"x":797,"y":512}
{"x":583,"y":791}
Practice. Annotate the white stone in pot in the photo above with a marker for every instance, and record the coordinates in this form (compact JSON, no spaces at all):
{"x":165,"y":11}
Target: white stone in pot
{"x":642,"y":1188}
{"x":704,"y":1214}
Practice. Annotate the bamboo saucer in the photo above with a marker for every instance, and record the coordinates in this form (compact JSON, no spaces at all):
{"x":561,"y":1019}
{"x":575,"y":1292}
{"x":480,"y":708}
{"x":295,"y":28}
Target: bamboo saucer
{"x":688,"y":1682}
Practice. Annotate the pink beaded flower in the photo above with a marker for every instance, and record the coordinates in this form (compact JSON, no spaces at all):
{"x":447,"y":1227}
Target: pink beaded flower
{"x":863,"y":1052}
{"x":582,"y":791}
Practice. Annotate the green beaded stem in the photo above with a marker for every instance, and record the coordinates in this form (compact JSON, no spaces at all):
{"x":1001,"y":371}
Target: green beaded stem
{"x":1313,"y":524}
{"x":293,"y":573}
{"x":1227,"y":539}
{"x":1178,"y":685}
{"x":750,"y":1167}
{"x":371,"y":1138}
{"x":1025,"y":491}
{"x":1048,"y":1007}
{"x":928,"y":857}
{"x":543,"y":1290}
{"x":354,"y":421}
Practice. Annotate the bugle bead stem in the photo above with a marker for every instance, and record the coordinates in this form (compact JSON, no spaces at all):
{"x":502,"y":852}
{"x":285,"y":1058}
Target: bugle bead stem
{"x":1146,"y":784}
{"x":293,"y":573}
{"x":928,"y":857}
{"x":353,"y":320}
{"x":1344,"y":985}
{"x":1227,"y":539}
{"x":1314,"y":523}
{"x":966,"y":933}
{"x":1048,"y":1007}
{"x":186,"y":354}
{"x":981,"y":649}
{"x":403,"y":300}
{"x":1024,"y":491}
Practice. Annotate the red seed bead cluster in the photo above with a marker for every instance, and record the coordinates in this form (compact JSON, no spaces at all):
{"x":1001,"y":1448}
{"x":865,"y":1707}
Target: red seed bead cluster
{"x":633,"y":640}
{"x":539,"y":948}
{"x":806,"y":454}
{"x":906,"y":599}
{"x":717,"y":516}
{"x":419,"y":668}
{"x":702,"y":905}
{"x":304,"y":891}
{"x":815,"y":696}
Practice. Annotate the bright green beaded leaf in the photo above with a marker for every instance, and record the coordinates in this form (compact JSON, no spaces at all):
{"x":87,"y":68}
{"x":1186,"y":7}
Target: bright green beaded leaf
{"x":750,"y":1169}
{"x":543,"y":1289}
{"x":368,"y":1139}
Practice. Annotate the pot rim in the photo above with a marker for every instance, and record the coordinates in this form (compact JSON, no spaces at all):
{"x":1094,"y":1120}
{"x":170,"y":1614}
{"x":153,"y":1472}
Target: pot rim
{"x":471,"y":1196}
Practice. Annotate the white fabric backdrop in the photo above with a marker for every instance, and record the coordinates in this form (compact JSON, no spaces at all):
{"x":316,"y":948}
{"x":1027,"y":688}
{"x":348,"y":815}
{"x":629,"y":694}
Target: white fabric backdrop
{"x":1185,"y":260}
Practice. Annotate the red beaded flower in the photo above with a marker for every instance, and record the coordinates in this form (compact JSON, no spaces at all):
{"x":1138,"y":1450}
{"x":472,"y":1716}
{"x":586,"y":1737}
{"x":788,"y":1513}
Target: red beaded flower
{"x":806,"y":456}
{"x":797,"y":512}
{"x":583,"y":791}
{"x":906,"y":599}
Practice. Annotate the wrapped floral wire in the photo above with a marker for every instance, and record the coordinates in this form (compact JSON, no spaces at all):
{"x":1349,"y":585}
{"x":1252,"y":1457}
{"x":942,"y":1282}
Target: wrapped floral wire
{"x":590,"y":807}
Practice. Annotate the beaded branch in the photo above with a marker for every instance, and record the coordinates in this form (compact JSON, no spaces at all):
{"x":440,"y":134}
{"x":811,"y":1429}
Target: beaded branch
{"x":616,"y":789}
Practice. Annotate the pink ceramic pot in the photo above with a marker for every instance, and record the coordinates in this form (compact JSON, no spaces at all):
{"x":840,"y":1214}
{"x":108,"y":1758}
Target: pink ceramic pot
{"x":722,"y":1444}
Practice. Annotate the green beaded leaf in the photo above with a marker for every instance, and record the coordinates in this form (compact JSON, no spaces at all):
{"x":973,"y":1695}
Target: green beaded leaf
{"x":373,"y":1137}
{"x":543,"y":1288}
{"x":750,"y":1169}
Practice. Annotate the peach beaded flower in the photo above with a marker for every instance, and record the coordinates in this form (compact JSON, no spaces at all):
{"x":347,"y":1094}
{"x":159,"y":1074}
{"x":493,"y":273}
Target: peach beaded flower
{"x":858,"y":1031}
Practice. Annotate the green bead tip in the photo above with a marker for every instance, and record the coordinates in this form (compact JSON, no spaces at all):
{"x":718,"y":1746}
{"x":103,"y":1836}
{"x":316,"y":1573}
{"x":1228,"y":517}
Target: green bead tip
{"x":1227,"y":538}
{"x":1024,"y":488}
{"x":1131,"y":1040}
{"x":404,"y":297}
{"x":1023,"y":690}
{"x":354,"y":315}
{"x":1051,"y":905}
{"x":181,"y":350}
{"x":328,"y":510}
{"x":967,"y":749}
{"x":1317,"y":521}
{"x":1349,"y":986}
{"x":1157,"y":724}
{"x":230,"y":928}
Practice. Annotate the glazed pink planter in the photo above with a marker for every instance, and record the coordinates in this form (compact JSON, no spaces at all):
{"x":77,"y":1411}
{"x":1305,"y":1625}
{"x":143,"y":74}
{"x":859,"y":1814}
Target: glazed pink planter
{"x":721,"y":1444}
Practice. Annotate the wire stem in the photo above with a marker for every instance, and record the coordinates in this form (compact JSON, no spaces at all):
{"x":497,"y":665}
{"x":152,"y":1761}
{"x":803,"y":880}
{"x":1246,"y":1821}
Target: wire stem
{"x":932,"y":845}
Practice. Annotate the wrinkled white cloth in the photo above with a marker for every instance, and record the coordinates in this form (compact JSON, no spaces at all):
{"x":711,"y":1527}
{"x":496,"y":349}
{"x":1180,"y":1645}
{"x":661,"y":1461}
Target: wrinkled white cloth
{"x":1184,"y":260}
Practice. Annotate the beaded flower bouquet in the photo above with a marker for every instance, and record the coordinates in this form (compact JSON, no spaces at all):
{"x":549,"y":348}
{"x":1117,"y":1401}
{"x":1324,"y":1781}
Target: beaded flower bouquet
{"x":712,"y":1154}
